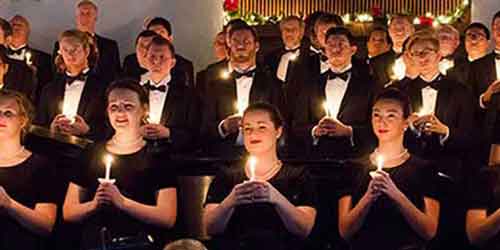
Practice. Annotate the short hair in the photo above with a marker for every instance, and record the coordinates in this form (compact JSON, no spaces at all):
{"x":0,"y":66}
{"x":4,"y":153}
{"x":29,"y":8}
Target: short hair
{"x":329,"y":18}
{"x":244,"y":28}
{"x":480,"y":26}
{"x":87,"y":2}
{"x":401,"y":16}
{"x":185,"y":244}
{"x":271,"y":110}
{"x":234,"y":23}
{"x":83,"y":38}
{"x":161,"y":41}
{"x":497,"y":15}
{"x":162,"y":22}
{"x":381,"y":29}
{"x":145,"y":34}
{"x":447,"y":28}
{"x":6,"y":27}
{"x":25,"y":106}
{"x":340,"y":31}
{"x":22,"y":19}
{"x":394,"y":94}
{"x":293,"y":18}
{"x":128,"y":84}
{"x":421,"y":36}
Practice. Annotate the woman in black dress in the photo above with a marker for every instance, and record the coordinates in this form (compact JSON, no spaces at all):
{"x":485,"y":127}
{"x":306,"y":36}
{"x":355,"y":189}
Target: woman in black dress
{"x":269,"y":207}
{"x":27,"y":194}
{"x":393,"y":208}
{"x":143,"y":199}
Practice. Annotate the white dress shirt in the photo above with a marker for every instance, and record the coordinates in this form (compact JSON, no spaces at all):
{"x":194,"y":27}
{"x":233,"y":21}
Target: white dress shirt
{"x":72,"y":95}
{"x":21,"y":56}
{"x":156,"y":98}
{"x":284,"y":62}
{"x":429,"y":101}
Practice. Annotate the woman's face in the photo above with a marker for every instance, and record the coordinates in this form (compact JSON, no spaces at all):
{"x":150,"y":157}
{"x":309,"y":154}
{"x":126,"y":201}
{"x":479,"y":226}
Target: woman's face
{"x":259,"y":133}
{"x":73,"y":52}
{"x":124,"y":109}
{"x":388,"y":120}
{"x":11,"y":120}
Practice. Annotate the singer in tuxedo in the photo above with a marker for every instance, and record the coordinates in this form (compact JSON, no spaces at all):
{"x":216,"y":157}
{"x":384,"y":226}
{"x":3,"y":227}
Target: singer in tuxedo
{"x":453,"y":64}
{"x":400,"y":28}
{"x":135,"y":65}
{"x":183,"y":69}
{"x":19,"y":49}
{"x":15,"y":75}
{"x":171,"y":124}
{"x":240,"y":83}
{"x":74,"y":102}
{"x":331,"y":119}
{"x":108,"y":66}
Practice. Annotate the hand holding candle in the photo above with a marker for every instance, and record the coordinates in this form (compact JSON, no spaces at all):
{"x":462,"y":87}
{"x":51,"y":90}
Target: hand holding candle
{"x":398,"y":69}
{"x":380,"y":162}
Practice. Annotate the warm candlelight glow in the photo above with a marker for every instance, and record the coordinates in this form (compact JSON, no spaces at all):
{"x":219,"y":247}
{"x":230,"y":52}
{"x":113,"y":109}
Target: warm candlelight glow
{"x":380,"y":162}
{"x":225,"y":74}
{"x":108,"y":159}
{"x":293,"y":57}
{"x":68,"y":111}
{"x":252,"y":162}
{"x":398,"y":69}
{"x":327,"y":109}
{"x":28,"y":57}
{"x":240,"y":107}
{"x":446,"y":65}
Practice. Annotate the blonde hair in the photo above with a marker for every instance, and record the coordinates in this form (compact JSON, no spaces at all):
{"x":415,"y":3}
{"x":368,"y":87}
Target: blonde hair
{"x":26,"y":110}
{"x":83,"y":38}
{"x":422,"y":36}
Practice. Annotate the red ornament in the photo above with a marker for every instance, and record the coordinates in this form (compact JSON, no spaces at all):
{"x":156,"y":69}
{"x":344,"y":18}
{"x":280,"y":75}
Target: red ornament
{"x":426,"y":21}
{"x":231,"y":5}
{"x":376,"y":10}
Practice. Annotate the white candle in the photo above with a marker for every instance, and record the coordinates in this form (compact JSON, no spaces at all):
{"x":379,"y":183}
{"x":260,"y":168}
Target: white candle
{"x":27,"y":57}
{"x":108,"y":159}
{"x":398,"y":69}
{"x":68,"y":110}
{"x":326,"y":107}
{"x":240,"y":107}
{"x":252,"y":162}
{"x":380,"y":162}
{"x":446,"y":65}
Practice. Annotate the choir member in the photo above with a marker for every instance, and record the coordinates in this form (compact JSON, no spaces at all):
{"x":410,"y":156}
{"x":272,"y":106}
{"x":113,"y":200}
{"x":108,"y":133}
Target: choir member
{"x":263,"y":204}
{"x":20,"y":49}
{"x":239,"y":83}
{"x":220,"y":47}
{"x":391,"y":200}
{"x":73,"y":103}
{"x":400,"y":28}
{"x":183,"y":69}
{"x":137,"y":195}
{"x":136,"y":64}
{"x":28,"y":193}
{"x":378,"y":42}
{"x":310,"y":22}
{"x":172,"y":106}
{"x":455,"y":66}
{"x":14,"y":75}
{"x":321,"y":26}
{"x":108,"y":65}
{"x":477,"y":41}
{"x":331,"y":117}
{"x":221,"y":53}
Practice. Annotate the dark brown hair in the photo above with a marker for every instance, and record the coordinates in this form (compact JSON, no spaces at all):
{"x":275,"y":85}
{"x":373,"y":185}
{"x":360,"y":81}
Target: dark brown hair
{"x":83,"y":38}
{"x":398,"y":96}
{"x":270,"y":109}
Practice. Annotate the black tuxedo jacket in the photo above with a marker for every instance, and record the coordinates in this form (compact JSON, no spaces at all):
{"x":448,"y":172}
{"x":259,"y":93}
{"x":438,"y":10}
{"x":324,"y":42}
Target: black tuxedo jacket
{"x":454,"y":108}
{"x":21,"y":78}
{"x":91,"y":107}
{"x":131,"y":67}
{"x":482,"y":74}
{"x":108,"y":66}
{"x":381,"y":67}
{"x":181,"y":116}
{"x":460,"y":73}
{"x":355,"y":110}
{"x":219,"y":103}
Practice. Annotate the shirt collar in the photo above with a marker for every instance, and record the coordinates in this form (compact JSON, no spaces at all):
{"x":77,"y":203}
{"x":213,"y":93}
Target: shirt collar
{"x":163,"y":81}
{"x":18,"y":48}
{"x":231,"y":68}
{"x":342,"y":70}
{"x":433,"y":78}
{"x":83,"y":72}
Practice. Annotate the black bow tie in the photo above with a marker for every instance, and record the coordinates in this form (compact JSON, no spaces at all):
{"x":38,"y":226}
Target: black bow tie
{"x":161,"y":88}
{"x":18,"y":51}
{"x":238,"y":75}
{"x":497,"y":55}
{"x":323,"y":57}
{"x":80,"y":77}
{"x":434,"y":84}
{"x":330,"y":75}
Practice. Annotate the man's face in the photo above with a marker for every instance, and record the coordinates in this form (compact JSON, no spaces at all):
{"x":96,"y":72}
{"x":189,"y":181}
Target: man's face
{"x":291,"y":33}
{"x":160,"y":59}
{"x":243,"y":46}
{"x":220,"y":49}
{"x":495,"y":29}
{"x":476,"y":43}
{"x":426,"y":57}
{"x":321,"y":29}
{"x":400,"y":29}
{"x":160,"y":30}
{"x":448,"y":42}
{"x":86,"y":17}
{"x":377,"y":43}
{"x":141,"y":49}
{"x":339,"y":51}
{"x":20,"y":29}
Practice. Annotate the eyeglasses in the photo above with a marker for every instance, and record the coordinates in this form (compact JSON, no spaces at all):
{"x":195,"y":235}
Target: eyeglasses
{"x":475,"y":36}
{"x":423,"y":53}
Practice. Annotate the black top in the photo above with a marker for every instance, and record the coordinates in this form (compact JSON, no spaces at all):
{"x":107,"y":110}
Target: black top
{"x":483,"y":193}
{"x":20,"y":77}
{"x":384,"y":226}
{"x":258,"y":226}
{"x":28,"y":183}
{"x":138,"y":177}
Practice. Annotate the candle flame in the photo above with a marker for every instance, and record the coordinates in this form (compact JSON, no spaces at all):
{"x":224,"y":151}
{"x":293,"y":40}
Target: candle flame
{"x":225,"y":74}
{"x":27,"y":56}
{"x":326,"y":107}
{"x":108,"y":159}
{"x":252,"y":162}
{"x":293,"y":57}
{"x":380,"y":162}
{"x":399,"y":69}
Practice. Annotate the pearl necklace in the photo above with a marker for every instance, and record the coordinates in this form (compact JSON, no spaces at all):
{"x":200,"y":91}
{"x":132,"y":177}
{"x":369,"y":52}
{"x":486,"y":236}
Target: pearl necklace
{"x":389,"y":159}
{"x":128,"y":144}
{"x":271,"y":172}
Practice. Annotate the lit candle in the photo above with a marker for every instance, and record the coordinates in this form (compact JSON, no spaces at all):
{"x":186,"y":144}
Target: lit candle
{"x":445,"y":65}
{"x":108,"y":159}
{"x":68,"y":110}
{"x":326,"y":107}
{"x":252,"y":162}
{"x":225,"y":74}
{"x":27,"y":57}
{"x":293,"y":57}
{"x":154,"y":117}
{"x":380,"y":162}
{"x":398,"y":69}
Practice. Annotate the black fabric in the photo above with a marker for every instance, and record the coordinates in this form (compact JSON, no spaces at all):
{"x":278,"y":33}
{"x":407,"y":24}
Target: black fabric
{"x":384,"y":225}
{"x":138,"y":176}
{"x":259,"y":226}
{"x":29,"y":183}
{"x":131,"y":67}
{"x":20,"y":77}
{"x":381,"y":67}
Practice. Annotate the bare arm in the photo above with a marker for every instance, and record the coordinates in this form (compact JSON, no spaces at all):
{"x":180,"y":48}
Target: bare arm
{"x":480,"y":227}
